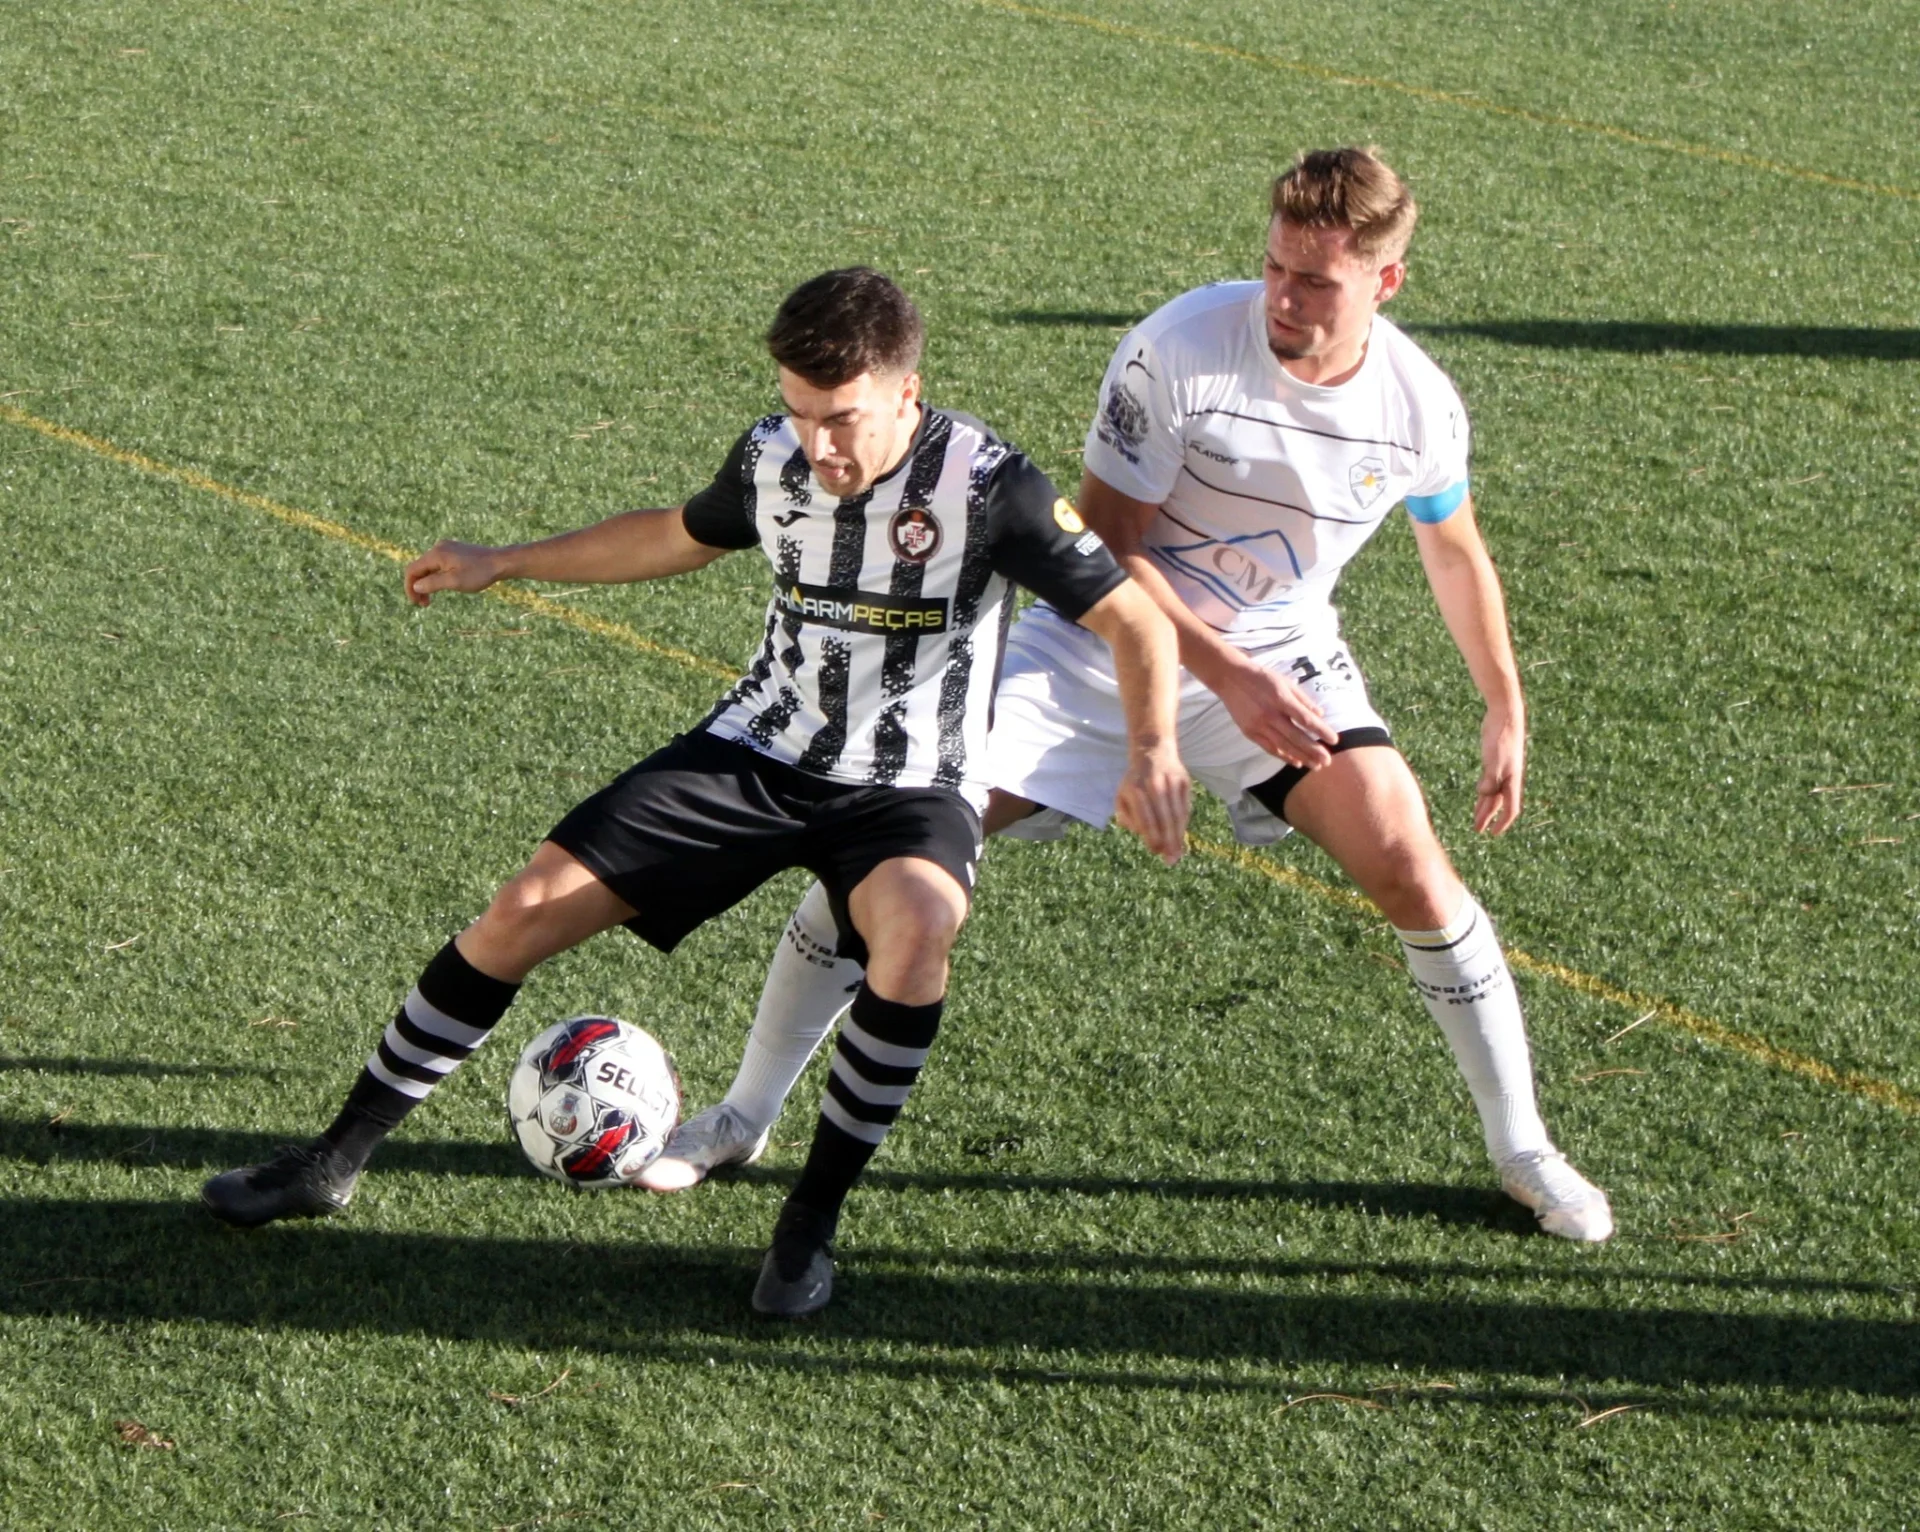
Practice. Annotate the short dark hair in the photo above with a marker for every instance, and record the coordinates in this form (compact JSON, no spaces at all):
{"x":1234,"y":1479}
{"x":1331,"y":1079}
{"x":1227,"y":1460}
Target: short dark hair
{"x":1349,"y":188}
{"x":844,"y":323}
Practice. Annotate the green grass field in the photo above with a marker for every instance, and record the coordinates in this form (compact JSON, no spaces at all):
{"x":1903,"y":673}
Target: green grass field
{"x":1189,"y":1223}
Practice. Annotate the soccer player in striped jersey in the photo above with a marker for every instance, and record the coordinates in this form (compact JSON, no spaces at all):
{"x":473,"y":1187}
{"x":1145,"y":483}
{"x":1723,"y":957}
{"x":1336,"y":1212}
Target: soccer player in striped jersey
{"x":1250,"y":438}
{"x":855,"y":745}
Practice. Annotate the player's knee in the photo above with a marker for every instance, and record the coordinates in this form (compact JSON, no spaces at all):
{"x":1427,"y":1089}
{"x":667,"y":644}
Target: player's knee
{"x":920,"y":924}
{"x":929,"y":925}
{"x":516,"y":920}
{"x":909,"y":963}
{"x":1415,"y":885}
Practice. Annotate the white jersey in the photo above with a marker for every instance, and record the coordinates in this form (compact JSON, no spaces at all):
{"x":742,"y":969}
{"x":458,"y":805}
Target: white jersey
{"x":890,"y":608}
{"x":1267,"y":485}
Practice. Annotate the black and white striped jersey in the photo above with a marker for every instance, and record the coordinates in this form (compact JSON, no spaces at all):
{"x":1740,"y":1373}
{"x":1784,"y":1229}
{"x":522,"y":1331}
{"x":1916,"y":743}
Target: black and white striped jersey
{"x":890,"y":608}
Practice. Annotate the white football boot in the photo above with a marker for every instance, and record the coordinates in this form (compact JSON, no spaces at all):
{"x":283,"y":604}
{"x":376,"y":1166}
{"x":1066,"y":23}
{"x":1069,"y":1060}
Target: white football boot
{"x":1565,"y":1202}
{"x":702,"y":1144}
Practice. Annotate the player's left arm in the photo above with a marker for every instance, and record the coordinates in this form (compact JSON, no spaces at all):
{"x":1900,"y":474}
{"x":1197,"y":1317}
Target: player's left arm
{"x":1467,"y":588}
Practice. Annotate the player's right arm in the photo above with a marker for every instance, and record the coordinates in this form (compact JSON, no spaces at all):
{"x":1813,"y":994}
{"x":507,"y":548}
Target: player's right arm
{"x":635,"y":545}
{"x":1269,"y":709}
{"x":1155,"y":798}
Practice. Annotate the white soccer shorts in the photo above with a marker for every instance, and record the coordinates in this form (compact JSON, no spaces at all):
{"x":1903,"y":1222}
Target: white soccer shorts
{"x":1060,"y":738}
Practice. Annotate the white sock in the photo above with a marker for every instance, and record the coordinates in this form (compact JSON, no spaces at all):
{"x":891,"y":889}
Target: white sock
{"x":1463,"y":978}
{"x":806,"y":991}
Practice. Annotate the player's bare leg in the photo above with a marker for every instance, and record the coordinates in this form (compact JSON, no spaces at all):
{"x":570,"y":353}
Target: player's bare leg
{"x":552,"y":904}
{"x":1366,"y":811}
{"x":807,"y":989}
{"x":908,"y":911}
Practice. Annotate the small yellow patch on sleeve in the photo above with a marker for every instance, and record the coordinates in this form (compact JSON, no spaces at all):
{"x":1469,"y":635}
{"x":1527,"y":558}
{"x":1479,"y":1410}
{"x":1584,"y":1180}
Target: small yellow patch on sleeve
{"x":1068,"y":517}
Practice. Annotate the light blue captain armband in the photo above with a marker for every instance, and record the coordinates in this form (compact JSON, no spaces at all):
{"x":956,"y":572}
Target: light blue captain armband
{"x":1433,"y":508}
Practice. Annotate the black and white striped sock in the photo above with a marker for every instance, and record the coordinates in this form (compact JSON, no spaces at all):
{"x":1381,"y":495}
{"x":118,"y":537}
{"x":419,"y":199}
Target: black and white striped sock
{"x":881,"y":1048}
{"x":448,"y":1014}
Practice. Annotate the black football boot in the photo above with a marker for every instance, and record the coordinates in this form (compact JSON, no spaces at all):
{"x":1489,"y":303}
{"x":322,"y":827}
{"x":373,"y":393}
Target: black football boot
{"x":301,"y":1181}
{"x":796,"y":1279}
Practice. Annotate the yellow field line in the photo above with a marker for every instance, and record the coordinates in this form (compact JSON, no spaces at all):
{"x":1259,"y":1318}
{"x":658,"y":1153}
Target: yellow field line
{"x":1882,"y":1091}
{"x":512,"y":595}
{"x":1447,"y":98}
{"x":1885,"y":1092}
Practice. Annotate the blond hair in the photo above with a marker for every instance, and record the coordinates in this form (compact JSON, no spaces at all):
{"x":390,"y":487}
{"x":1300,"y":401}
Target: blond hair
{"x":1353,"y":189}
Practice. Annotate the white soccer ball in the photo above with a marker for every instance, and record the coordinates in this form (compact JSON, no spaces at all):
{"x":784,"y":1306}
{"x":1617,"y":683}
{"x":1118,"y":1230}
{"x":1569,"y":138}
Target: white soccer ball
{"x":592,"y":1101}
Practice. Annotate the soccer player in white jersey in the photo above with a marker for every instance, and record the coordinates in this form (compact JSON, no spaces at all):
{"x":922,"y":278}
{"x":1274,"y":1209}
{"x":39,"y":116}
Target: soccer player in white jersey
{"x":855,"y":746}
{"x":1250,"y":437}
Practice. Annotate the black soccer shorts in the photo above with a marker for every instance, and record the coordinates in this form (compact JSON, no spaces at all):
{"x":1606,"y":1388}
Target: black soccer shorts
{"x":1273,"y":792}
{"x":702,"y":822}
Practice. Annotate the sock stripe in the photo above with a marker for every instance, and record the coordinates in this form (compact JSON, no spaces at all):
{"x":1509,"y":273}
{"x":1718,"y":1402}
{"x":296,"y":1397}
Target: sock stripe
{"x":404,"y":1029}
{"x":879,"y":1050}
{"x":869,"y":1091}
{"x":417,"y":1090}
{"x":1413,"y":938}
{"x":395,"y":1047}
{"x":428,"y":1071}
{"x":868,"y":1133}
{"x":879,"y":1113}
{"x":870,"y":1069}
{"x":437,"y":1024}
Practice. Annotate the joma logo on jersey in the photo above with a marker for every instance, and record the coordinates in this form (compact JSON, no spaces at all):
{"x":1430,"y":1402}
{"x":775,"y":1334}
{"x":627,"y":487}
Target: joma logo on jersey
{"x":863,"y":612}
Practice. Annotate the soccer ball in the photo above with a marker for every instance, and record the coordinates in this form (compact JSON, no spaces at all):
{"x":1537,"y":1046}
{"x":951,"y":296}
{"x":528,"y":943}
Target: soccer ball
{"x":592,"y":1101}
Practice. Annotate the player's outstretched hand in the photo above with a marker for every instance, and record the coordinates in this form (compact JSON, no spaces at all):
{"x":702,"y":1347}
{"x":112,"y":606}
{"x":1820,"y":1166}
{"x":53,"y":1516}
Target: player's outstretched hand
{"x":1277,"y":715}
{"x":1156,"y":796}
{"x":1503,"y":767}
{"x":451,"y":566}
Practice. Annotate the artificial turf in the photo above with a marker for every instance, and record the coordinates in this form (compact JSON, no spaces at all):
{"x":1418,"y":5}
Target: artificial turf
{"x":1190,"y":1220}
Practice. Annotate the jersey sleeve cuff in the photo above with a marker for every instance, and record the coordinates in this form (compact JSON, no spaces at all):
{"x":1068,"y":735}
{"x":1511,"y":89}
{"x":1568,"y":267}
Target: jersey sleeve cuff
{"x":1086,"y":598}
{"x":1430,"y":509}
{"x":1117,"y":472}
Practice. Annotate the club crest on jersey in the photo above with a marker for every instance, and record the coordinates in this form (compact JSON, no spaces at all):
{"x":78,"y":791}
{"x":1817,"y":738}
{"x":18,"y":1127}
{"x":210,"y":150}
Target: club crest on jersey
{"x":1368,"y":480}
{"x":914,"y":535}
{"x":1067,"y":518}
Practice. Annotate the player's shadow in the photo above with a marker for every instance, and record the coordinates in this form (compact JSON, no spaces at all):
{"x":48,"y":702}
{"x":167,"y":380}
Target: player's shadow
{"x":144,"y":1068}
{"x":1472,"y":1207}
{"x":214,"y":1149}
{"x":43,"y":1142}
{"x":1089,"y":319}
{"x":39,"y":1142}
{"x":1635,"y":336}
{"x":1644,"y":337}
{"x":1152,"y":1325}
